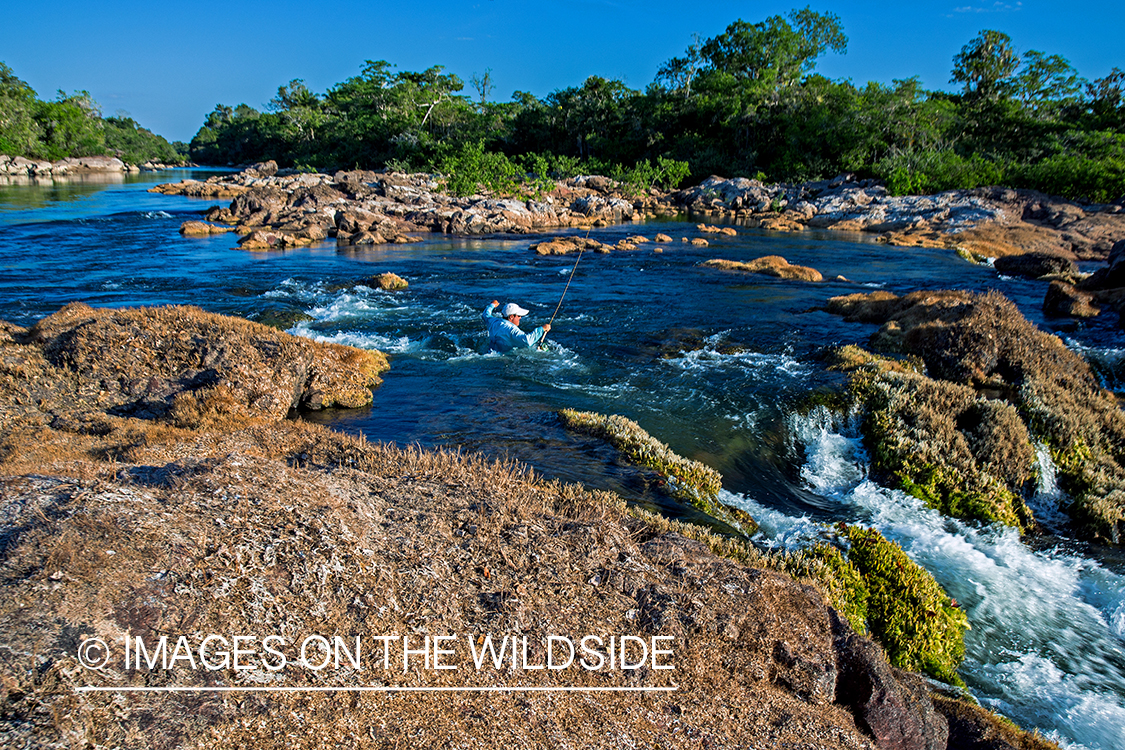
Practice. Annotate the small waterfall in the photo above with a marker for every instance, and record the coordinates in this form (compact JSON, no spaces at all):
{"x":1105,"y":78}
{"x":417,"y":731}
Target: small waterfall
{"x":1048,"y":499}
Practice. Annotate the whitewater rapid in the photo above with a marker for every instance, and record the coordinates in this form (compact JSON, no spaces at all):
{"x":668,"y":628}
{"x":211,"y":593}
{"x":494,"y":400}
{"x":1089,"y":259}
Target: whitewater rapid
{"x":1048,"y":625}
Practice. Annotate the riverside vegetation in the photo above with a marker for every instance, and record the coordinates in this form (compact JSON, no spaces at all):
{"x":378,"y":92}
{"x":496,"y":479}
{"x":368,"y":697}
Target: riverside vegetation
{"x":747,"y":101}
{"x":72,"y":126}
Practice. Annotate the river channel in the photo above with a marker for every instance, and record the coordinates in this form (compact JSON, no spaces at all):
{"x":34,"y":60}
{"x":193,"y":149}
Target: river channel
{"x":710,"y":362}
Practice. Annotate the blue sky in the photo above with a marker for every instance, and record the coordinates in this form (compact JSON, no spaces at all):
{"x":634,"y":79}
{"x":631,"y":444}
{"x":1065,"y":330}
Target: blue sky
{"x":168,"y":65}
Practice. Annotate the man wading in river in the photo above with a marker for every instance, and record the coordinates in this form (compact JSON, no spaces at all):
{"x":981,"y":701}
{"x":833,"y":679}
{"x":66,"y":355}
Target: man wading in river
{"x":504,"y":332}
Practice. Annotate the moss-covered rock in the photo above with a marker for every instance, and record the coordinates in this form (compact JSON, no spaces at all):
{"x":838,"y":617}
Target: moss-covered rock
{"x":919,"y":625}
{"x":963,"y":454}
{"x":882,"y":592}
{"x":971,"y":726}
{"x":994,"y":378}
{"x":687,"y":481}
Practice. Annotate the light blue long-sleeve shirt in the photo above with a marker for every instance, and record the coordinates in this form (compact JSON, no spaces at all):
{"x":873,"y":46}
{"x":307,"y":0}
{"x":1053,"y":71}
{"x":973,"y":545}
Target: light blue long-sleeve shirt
{"x":503,"y":335}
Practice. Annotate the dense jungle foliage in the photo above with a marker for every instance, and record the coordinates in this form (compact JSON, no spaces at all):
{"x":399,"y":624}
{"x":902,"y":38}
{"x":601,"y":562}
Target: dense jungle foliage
{"x":72,"y":125}
{"x":746,"y":102}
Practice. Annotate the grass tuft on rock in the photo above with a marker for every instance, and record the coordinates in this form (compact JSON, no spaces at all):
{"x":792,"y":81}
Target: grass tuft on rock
{"x":687,"y":481}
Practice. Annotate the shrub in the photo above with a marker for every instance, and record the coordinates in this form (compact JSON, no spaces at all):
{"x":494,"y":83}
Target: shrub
{"x":472,"y":168}
{"x":925,"y":172}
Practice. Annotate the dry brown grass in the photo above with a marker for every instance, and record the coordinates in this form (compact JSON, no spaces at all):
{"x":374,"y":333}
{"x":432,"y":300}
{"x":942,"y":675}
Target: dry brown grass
{"x":233,"y":541}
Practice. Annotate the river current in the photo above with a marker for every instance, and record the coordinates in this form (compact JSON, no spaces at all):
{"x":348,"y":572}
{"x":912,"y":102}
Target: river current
{"x":710,"y":362}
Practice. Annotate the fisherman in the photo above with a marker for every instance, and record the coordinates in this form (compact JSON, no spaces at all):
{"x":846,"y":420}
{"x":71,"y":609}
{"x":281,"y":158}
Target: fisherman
{"x":504,"y":332}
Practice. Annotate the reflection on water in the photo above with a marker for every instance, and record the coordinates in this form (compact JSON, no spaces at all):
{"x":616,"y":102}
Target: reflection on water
{"x":18,"y":193}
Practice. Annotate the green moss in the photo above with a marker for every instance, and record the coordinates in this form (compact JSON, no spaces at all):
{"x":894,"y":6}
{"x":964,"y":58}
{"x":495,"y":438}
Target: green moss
{"x":920,"y":627}
{"x":843,"y":584}
{"x":975,"y":258}
{"x":913,"y":430}
{"x":687,"y":481}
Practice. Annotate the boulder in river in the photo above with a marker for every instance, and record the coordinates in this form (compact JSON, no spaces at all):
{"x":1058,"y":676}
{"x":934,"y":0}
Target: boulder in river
{"x":1035,"y":265}
{"x":187,"y":367}
{"x":201,"y":229}
{"x":770,"y":265}
{"x":389,"y":282}
{"x":1065,"y":300}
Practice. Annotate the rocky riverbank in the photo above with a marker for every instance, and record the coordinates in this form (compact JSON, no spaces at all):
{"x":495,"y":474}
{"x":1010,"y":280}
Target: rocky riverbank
{"x":983,"y":223}
{"x":18,"y":166}
{"x":278,"y":208}
{"x":152,"y":487}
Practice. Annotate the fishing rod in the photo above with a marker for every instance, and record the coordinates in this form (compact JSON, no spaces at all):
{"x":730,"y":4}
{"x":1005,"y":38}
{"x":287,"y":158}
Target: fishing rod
{"x":543,"y":341}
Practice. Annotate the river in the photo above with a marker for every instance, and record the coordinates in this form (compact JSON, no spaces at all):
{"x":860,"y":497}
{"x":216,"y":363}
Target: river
{"x":710,"y":362}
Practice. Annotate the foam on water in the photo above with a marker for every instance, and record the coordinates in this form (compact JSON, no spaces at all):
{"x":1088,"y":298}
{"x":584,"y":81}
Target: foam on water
{"x":834,"y":457}
{"x":388,"y":344}
{"x":709,"y":357}
{"x":1046,"y":646}
{"x":776,"y":529}
{"x":351,"y":307}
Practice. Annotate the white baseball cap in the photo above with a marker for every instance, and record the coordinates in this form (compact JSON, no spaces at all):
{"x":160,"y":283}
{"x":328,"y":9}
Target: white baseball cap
{"x":512,"y":309}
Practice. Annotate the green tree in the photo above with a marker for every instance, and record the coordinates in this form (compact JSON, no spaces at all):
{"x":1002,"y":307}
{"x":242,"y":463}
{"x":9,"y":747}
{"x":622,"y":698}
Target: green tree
{"x":1107,"y":101}
{"x":71,"y":126}
{"x":136,"y":145}
{"x":775,"y":52}
{"x":19,"y":132}
{"x":985,"y":66}
{"x":1045,"y":83}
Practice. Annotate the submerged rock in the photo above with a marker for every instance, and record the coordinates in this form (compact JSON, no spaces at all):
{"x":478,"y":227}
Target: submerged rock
{"x":282,"y":320}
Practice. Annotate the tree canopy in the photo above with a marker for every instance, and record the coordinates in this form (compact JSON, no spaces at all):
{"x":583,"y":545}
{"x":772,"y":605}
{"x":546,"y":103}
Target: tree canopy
{"x":748,"y":101}
{"x":71,"y":125}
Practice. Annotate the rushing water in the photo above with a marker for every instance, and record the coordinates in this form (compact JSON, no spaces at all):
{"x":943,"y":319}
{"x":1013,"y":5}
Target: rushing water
{"x":710,"y":362}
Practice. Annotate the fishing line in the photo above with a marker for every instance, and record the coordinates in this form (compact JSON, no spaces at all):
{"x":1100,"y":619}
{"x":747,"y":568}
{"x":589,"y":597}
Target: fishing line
{"x":543,"y":341}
